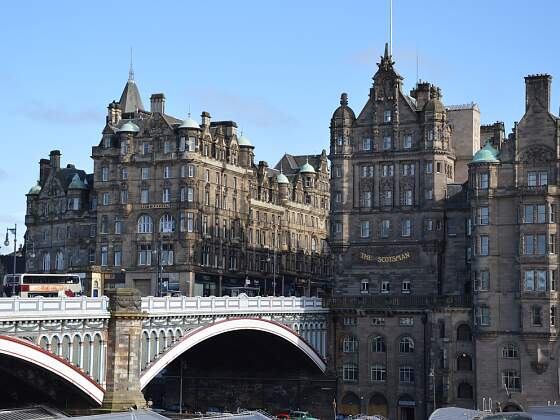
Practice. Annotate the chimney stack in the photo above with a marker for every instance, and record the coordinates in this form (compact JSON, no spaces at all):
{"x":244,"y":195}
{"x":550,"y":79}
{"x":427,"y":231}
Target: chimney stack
{"x":157,"y":103}
{"x":44,"y":169}
{"x":537,"y":91}
{"x":55,"y":159}
{"x":205,"y":117}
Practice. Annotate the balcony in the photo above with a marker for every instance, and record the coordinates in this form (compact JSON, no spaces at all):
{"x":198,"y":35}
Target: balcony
{"x":398,"y":302}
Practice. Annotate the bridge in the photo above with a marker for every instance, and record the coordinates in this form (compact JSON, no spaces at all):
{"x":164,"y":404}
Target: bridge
{"x":110,"y":348}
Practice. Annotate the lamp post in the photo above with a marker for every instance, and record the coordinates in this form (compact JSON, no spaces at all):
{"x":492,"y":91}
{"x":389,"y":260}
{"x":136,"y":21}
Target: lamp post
{"x":432,"y":375}
{"x":7,"y":243}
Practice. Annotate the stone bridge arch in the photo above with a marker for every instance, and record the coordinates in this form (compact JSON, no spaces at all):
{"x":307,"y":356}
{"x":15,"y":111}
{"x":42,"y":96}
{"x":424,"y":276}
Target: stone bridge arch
{"x":29,"y":352}
{"x":198,"y":335}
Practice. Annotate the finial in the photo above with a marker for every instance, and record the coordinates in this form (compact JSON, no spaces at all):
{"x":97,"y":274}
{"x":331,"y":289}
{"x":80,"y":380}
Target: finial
{"x":131,"y":70}
{"x":386,"y":54}
{"x":344,"y":99}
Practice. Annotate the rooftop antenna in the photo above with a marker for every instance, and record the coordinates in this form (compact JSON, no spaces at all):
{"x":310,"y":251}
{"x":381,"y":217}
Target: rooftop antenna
{"x":417,"y":80}
{"x":391,"y":27}
{"x":131,"y":70}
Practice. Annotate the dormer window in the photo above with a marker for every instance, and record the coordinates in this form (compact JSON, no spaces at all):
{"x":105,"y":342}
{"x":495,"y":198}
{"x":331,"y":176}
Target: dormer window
{"x":387,"y":116}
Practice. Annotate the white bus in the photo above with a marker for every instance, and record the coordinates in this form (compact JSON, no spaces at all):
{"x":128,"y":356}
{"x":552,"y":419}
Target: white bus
{"x":47,"y":285}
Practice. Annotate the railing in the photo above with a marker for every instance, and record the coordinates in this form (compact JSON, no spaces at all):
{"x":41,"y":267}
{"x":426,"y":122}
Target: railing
{"x":183,"y":305}
{"x":397,"y":302}
{"x":16,"y":308}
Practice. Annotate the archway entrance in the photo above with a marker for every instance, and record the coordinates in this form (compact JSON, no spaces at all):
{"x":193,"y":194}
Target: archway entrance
{"x":350,"y":405}
{"x":242,"y":369}
{"x":378,"y":405}
{"x":406,"y":406}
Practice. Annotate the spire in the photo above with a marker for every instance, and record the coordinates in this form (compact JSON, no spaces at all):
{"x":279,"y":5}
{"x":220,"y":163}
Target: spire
{"x":386,"y":63}
{"x":131,"y":70}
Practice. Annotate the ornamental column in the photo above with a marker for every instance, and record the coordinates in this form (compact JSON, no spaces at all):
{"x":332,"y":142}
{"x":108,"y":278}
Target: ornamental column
{"x":123,"y":351}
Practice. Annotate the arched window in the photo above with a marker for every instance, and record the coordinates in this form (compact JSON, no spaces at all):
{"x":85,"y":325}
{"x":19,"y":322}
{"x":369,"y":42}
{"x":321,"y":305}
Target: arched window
{"x":464,"y":390}
{"x":510,"y":351}
{"x":313,"y":244}
{"x":167,"y":224}
{"x":350,"y":344}
{"x":378,"y":345}
{"x":59,"y":263}
{"x":46,"y":261}
{"x":464,"y":333}
{"x":464,"y":362}
{"x":145,"y":224}
{"x":406,"y":345}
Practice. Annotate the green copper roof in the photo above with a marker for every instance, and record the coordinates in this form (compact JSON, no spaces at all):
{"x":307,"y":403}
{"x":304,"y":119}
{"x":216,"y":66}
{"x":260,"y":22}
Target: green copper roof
{"x":35,"y":189}
{"x":77,"y":183}
{"x":244,"y":141}
{"x":486,"y":155}
{"x":190,"y":123}
{"x":282,"y":179}
{"x":128,"y":127}
{"x":307,"y":168}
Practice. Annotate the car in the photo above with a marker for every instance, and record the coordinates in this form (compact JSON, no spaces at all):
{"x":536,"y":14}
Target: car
{"x":301,"y":415}
{"x":283,"y":416}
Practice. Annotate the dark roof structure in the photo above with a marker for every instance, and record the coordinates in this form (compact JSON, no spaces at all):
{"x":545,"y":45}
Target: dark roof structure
{"x":130,"y":99}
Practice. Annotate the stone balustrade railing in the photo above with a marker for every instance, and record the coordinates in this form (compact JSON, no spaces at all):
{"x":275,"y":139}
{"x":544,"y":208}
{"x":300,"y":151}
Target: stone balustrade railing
{"x":38,"y":308}
{"x":158,"y":306}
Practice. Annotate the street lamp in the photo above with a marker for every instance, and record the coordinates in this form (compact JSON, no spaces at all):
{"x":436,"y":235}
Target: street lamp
{"x":7,"y":243}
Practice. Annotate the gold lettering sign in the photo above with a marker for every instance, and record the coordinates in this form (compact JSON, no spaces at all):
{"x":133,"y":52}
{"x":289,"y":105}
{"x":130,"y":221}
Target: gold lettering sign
{"x":385,"y":259}
{"x":154,"y":206}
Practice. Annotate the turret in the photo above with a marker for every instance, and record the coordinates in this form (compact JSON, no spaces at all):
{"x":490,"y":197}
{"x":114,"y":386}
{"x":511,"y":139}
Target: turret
{"x":341,"y":124}
{"x":245,"y":151}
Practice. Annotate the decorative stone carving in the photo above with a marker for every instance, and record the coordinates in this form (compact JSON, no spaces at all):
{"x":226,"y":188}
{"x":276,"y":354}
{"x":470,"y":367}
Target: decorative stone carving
{"x":124,"y":300}
{"x":535,"y":154}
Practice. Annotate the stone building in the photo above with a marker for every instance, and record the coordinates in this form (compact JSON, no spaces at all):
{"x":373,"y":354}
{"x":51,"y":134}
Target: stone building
{"x":399,"y":239}
{"x":513,"y":191}
{"x":181,"y":207}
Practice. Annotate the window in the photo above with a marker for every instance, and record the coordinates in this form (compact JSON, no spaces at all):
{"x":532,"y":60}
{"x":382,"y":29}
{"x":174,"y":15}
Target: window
{"x":104,"y":174}
{"x":167,"y":147}
{"x":118,"y":227}
{"x":406,"y":228}
{"x":337,"y":197}
{"x":92,"y":231}
{"x":534,"y":244}
{"x":145,"y":148}
{"x":144,"y":195}
{"x":350,"y":372}
{"x":464,"y":333}
{"x":350,"y":344}
{"x":482,"y":315}
{"x":145,"y":173}
{"x":365,"y":286}
{"x":337,"y":171}
{"x":91,"y":256}
{"x":104,"y":255}
{"x":511,"y":380}
{"x":406,"y":375}
{"x":340,"y":140}
{"x":385,"y":286}
{"x":388,"y":198}
{"x":428,"y":225}
{"x":378,"y":343}
{"x":364,"y":229}
{"x":552,"y":277}
{"x":483,"y":215}
{"x":483,"y":248}
{"x":366,"y":144}
{"x":388,"y":170}
{"x":535,"y":281}
{"x":191,"y":171}
{"x":429,"y":167}
{"x":510,"y":351}
{"x":406,"y":345}
{"x":191,"y":144}
{"x":406,"y":321}
{"x":366,"y":171}
{"x":385,"y":228}
{"x":59,"y":261}
{"x":429,"y":194}
{"x":552,"y":213}
{"x":407,"y":141}
{"x":378,"y":373}
{"x":145,"y":224}
{"x":379,"y":321}
{"x":407,"y":198}
{"x":537,"y":178}
{"x":387,"y":116}
{"x":405,"y":286}
{"x":166,"y":254}
{"x":124,"y":174}
{"x":553,"y":316}
{"x":117,"y":256}
{"x":166,"y":172}
{"x":552,"y":243}
{"x":47,"y":261}
{"x":407,"y":169}
{"x":536,"y":316}
{"x":482,"y":280}
{"x":124,"y":196}
{"x":106,"y":198}
{"x":483,"y":180}
{"x":366,"y":199}
{"x":387,"y":143}
{"x":338,"y":227}
{"x":167,"y":224}
{"x":350,"y":320}
{"x":438,"y":167}
{"x":165,"y":195}
{"x":464,"y":362}
{"x":145,"y":254}
{"x":534,"y":213}
{"x":124,"y":147}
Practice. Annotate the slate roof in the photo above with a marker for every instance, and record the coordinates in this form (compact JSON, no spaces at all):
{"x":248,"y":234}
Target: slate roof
{"x":291,"y":164}
{"x":66,"y":175}
{"x":130,"y":99}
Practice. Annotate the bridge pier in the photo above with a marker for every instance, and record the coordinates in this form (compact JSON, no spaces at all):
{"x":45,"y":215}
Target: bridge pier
{"x":123,"y":351}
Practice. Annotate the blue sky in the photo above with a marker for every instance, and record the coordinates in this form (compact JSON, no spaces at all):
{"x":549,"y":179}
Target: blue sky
{"x":277,"y":68}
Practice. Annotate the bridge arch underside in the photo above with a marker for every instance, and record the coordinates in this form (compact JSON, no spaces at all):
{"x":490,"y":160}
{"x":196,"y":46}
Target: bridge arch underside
{"x":244,"y":368}
{"x":25,"y":383}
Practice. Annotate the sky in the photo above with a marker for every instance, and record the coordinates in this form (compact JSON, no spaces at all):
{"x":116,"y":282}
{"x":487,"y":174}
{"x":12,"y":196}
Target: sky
{"x":277,"y":68}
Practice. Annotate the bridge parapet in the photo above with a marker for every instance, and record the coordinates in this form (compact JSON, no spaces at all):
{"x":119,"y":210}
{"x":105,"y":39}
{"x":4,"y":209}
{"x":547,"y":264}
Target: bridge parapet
{"x":40,"y":308}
